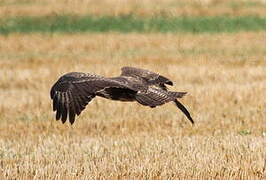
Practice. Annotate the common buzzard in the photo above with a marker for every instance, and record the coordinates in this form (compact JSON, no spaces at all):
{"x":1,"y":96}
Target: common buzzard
{"x":73,"y":91}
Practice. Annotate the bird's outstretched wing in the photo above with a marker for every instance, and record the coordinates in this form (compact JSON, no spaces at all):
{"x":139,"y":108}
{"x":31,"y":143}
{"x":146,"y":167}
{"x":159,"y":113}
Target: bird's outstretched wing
{"x":73,"y":91}
{"x":150,"y":77}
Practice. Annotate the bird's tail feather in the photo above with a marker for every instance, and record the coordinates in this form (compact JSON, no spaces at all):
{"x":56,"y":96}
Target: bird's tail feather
{"x":177,"y":94}
{"x":184,"y":110}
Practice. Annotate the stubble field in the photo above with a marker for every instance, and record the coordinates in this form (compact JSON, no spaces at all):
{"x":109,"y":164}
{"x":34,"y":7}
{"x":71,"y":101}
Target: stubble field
{"x":223,"y":73}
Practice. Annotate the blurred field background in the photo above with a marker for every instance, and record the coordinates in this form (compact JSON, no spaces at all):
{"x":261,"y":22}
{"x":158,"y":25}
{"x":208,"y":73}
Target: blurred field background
{"x":222,"y":66}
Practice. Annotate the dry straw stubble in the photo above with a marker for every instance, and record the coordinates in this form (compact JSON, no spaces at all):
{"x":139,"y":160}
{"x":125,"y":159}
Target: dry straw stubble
{"x":224,"y":74}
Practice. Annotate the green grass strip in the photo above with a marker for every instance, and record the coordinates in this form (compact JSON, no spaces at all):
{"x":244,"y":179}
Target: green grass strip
{"x":126,"y":24}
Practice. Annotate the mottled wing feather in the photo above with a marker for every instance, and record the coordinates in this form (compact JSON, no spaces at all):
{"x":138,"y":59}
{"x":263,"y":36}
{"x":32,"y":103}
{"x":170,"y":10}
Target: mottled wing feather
{"x":150,"y":77}
{"x":72,"y":92}
{"x":71,"y":108}
{"x":155,"y":97}
{"x":64,"y":105}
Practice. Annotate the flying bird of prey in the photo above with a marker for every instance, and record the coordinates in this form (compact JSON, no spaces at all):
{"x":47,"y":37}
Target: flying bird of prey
{"x":73,"y":91}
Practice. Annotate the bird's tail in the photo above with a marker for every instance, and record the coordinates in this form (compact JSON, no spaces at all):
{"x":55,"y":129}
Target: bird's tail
{"x":177,"y":94}
{"x":184,"y":110}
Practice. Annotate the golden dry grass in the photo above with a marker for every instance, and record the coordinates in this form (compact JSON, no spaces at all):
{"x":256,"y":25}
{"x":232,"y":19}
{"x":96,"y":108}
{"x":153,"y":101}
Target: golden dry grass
{"x":224,"y":74}
{"x":138,"y":7}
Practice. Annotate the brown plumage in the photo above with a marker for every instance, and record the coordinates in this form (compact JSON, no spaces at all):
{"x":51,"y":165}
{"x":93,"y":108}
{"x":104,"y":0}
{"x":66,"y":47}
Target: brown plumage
{"x":73,"y":91}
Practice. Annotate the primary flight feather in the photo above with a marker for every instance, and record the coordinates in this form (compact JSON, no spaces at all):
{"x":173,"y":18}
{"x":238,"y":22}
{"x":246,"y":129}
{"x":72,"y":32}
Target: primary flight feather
{"x":73,"y":91}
